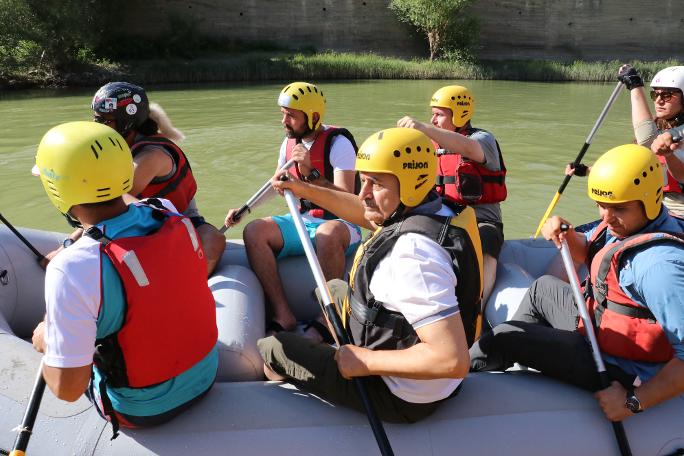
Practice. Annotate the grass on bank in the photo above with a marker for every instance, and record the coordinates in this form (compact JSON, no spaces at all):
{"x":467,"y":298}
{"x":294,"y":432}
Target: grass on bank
{"x":261,"y":66}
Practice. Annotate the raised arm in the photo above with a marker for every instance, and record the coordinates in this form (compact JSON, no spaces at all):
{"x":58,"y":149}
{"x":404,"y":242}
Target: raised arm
{"x":345,"y":205}
{"x":450,"y":140}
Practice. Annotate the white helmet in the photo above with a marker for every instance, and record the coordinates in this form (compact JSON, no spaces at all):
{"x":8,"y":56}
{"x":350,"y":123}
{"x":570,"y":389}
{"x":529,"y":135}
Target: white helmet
{"x":670,"y":77}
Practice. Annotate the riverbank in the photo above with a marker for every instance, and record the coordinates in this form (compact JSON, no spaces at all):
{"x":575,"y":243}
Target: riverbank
{"x":264,"y":66}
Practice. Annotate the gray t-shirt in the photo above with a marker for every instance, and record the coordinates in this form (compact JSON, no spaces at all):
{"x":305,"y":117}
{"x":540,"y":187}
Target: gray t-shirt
{"x":488,"y":212}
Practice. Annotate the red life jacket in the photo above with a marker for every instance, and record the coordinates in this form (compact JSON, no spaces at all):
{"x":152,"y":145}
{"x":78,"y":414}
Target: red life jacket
{"x":672,"y":184}
{"x":623,"y":327}
{"x":319,"y":154}
{"x":179,"y":188}
{"x":170,"y":316}
{"x":468,"y":182}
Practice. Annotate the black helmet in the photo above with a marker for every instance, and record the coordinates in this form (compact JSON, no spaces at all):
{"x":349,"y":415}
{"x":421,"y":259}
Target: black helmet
{"x":123,"y":102}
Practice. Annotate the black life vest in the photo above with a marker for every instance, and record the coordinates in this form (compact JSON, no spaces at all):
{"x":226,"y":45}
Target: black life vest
{"x":369,"y":323}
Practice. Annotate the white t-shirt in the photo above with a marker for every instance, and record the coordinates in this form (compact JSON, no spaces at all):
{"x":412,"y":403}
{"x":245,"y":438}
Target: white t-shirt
{"x":416,"y":279}
{"x":342,"y":154}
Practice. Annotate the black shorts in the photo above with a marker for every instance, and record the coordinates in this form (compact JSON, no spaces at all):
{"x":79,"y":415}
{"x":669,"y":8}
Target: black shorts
{"x":492,"y":237}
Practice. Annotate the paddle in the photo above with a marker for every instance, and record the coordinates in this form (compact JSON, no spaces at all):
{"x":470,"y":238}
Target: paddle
{"x":618,"y":429}
{"x":579,"y":157}
{"x":38,"y":255}
{"x":26,"y":428}
{"x":334,"y":320}
{"x":256,"y":198}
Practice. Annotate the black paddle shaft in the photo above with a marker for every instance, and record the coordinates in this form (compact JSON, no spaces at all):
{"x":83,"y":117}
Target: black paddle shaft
{"x":31,"y":413}
{"x":618,"y":428}
{"x":22,"y":238}
{"x":577,"y":161}
{"x":360,"y":384}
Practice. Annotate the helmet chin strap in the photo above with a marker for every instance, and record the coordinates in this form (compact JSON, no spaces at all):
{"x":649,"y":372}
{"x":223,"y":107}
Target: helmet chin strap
{"x":71,"y":220}
{"x":398,"y":212}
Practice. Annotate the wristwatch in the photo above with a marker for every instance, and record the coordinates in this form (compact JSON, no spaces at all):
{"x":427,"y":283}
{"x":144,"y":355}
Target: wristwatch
{"x":313,"y":176}
{"x":632,"y":402}
{"x":67,"y":242}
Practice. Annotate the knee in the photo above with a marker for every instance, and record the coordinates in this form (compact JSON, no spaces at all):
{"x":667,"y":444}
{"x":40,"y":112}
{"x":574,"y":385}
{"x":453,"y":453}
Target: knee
{"x":332,"y":237}
{"x":213,"y":241}
{"x":261,"y":232}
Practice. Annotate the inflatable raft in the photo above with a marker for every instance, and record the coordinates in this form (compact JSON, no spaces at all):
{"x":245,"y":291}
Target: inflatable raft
{"x":514,"y":413}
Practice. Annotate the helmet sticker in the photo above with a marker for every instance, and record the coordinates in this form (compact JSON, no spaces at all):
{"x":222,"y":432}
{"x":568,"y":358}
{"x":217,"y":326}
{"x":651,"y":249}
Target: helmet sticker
{"x":131,"y":109}
{"x":137,"y":98}
{"x":109,"y":104}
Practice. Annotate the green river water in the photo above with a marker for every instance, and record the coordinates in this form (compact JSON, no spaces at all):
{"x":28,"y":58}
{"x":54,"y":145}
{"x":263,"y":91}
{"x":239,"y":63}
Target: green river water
{"x":233,"y":134}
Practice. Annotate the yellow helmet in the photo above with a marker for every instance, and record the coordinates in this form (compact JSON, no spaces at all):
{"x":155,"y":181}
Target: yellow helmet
{"x":305,"y":97}
{"x":83,"y":162}
{"x":459,"y":100}
{"x":628,"y":173}
{"x":405,"y":153}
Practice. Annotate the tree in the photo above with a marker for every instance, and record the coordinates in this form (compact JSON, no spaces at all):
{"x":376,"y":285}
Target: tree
{"x":438,"y":19}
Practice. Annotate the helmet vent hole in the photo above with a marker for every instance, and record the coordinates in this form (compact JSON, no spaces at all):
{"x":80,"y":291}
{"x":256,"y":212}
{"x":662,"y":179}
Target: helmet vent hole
{"x":301,"y":91}
{"x":321,"y":93}
{"x":117,"y":141}
{"x":637,"y":181}
{"x":408,"y":150}
{"x":286,"y":88}
{"x":295,"y":97}
{"x":111,"y":140}
{"x":94,"y":151}
{"x":397,"y":153}
{"x":316,"y":89}
{"x":453,"y":98}
{"x":418,"y":149}
{"x":644,"y":174}
{"x":651,"y":168}
{"x":308,"y":88}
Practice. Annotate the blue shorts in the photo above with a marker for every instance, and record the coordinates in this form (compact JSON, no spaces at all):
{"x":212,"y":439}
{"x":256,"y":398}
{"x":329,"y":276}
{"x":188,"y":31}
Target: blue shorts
{"x":292,"y":246}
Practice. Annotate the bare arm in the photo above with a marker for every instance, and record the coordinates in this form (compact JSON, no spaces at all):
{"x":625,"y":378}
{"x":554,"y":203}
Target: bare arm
{"x":640,"y":109}
{"x":666,"y":384}
{"x":343,"y":204}
{"x":66,"y":383}
{"x":664,"y":145}
{"x":675,"y":167}
{"x":69,"y":383}
{"x":441,"y":353}
{"x":148,"y":164}
{"x":449,"y":140}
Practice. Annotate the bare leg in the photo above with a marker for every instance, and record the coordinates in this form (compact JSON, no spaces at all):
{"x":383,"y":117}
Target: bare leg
{"x":272,"y":375}
{"x":263,"y":241}
{"x":332,"y":240}
{"x":213,"y":243}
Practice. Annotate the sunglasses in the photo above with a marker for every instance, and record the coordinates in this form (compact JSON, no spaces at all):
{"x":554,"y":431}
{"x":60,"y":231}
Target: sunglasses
{"x":664,"y":95}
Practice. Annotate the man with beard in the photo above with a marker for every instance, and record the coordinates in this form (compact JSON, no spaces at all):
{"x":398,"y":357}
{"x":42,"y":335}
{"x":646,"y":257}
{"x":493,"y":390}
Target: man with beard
{"x":325,"y":156}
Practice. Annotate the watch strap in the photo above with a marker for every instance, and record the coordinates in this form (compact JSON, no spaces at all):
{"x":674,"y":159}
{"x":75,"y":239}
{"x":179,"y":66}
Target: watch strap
{"x":315,"y":174}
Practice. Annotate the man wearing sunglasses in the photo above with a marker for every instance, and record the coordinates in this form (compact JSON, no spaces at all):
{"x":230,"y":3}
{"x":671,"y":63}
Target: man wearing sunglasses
{"x":666,"y":93}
